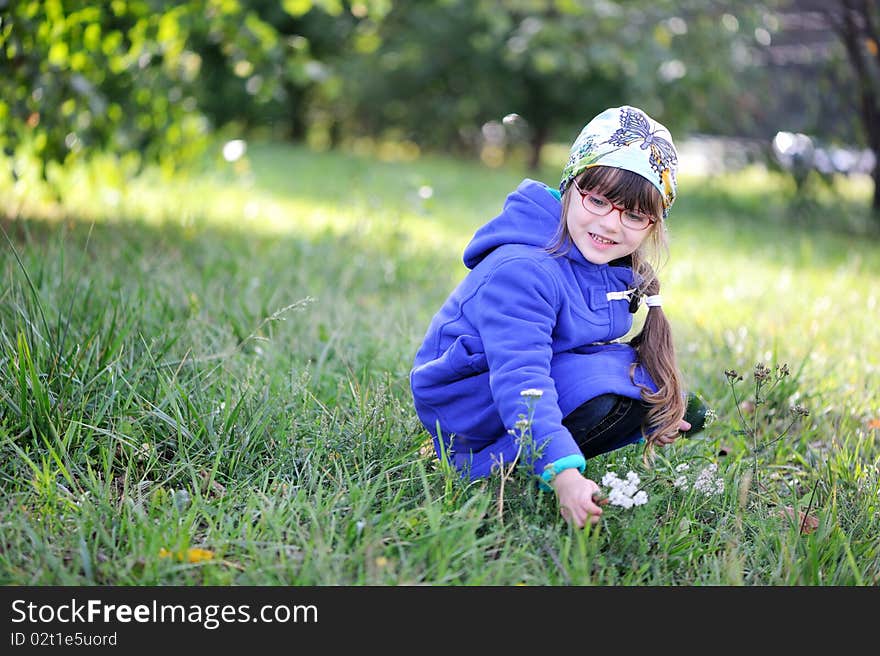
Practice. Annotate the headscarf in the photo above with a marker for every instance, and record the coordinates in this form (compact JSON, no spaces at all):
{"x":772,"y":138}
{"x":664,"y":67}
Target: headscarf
{"x":626,"y":138}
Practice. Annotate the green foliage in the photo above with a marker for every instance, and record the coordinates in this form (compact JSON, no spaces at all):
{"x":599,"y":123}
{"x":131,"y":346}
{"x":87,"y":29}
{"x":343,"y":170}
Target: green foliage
{"x":80,"y":77}
{"x":140,"y":77}
{"x":149,"y":80}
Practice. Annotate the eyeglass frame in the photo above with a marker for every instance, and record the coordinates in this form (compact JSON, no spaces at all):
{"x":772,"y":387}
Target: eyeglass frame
{"x":592,"y":210}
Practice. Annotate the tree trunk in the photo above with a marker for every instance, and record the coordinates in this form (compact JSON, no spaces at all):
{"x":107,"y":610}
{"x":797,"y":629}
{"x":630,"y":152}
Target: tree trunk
{"x":539,"y":138}
{"x":855,"y":26}
{"x":296,"y":122}
{"x":875,"y":206}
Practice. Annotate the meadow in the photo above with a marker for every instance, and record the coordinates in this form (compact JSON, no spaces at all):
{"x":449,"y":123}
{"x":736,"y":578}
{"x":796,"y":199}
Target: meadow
{"x":204,"y":381}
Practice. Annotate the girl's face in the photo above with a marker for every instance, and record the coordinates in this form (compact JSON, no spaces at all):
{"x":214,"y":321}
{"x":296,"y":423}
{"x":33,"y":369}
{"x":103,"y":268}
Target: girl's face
{"x":601,"y":239}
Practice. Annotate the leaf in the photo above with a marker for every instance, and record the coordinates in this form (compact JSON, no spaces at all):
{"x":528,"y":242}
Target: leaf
{"x":807,"y":523}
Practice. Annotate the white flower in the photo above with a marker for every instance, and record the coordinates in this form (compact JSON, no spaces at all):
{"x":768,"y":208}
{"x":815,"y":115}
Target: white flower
{"x":681,"y":481}
{"x":707,"y":483}
{"x":624,"y":493}
{"x":711,"y":418}
{"x":532,"y":393}
{"x":522,"y":424}
{"x":618,"y":498}
{"x":682,"y":467}
{"x":609,"y":479}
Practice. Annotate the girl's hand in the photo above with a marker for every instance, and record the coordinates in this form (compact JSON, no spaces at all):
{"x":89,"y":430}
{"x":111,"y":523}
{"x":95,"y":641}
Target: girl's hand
{"x":683,"y":427}
{"x":575,"y":495}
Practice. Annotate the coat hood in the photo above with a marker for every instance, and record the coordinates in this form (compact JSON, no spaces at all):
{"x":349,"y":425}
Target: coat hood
{"x":530,"y":216}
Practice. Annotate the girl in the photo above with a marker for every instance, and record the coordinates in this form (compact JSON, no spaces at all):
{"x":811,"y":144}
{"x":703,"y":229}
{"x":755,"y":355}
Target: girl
{"x":554,"y":281}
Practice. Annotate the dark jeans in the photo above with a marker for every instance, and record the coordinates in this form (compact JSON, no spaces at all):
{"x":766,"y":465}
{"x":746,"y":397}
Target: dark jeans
{"x":605,"y":423}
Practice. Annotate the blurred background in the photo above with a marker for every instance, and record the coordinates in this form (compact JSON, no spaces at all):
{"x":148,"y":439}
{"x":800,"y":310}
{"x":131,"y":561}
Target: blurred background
{"x":792,"y":85}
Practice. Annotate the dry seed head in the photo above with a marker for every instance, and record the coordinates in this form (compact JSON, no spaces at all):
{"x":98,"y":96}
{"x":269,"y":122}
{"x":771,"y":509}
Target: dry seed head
{"x":732,"y":375}
{"x":762,"y":372}
{"x":800,"y":411}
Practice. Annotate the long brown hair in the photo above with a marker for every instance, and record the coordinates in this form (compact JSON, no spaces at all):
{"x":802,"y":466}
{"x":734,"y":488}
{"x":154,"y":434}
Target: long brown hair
{"x":654,"y":345}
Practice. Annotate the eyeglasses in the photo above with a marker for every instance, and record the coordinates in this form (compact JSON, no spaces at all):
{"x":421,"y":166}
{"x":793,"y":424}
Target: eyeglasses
{"x":601,"y":206}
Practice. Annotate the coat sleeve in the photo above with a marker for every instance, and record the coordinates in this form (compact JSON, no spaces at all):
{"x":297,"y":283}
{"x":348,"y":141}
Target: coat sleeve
{"x":515,"y":313}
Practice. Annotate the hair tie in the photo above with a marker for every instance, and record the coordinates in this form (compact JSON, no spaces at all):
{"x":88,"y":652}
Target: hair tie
{"x":654,"y":301}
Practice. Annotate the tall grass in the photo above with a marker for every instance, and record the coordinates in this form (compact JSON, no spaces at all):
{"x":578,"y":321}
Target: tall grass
{"x":220,"y":362}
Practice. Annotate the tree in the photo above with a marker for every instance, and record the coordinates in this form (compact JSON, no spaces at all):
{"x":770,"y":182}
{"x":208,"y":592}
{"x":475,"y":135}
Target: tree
{"x":137,"y":77}
{"x":857,"y":24}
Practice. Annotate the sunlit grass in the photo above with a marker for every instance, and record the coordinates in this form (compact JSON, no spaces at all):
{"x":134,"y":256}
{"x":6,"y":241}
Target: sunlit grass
{"x":219,"y":361}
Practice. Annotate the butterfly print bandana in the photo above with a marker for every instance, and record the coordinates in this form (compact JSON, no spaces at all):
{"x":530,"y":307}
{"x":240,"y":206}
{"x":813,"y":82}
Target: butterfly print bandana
{"x":626,"y":138}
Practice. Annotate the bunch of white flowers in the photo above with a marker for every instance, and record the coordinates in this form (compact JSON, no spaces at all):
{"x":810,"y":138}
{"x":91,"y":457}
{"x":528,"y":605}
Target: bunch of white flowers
{"x":707,"y":482}
{"x":681,"y":480}
{"x":624,"y":492}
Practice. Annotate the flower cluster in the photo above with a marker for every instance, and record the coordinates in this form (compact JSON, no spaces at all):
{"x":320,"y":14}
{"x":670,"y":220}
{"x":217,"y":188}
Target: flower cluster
{"x":624,"y":492}
{"x":711,"y":418}
{"x":681,"y":480}
{"x":707,"y":482}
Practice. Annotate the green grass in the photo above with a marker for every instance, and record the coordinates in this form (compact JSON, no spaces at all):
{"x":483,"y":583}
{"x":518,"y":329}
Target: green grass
{"x":221,"y":361}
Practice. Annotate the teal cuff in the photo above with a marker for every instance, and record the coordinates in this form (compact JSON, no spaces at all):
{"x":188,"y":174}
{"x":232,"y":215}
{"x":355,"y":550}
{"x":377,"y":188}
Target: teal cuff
{"x":555,"y":193}
{"x":568,"y":462}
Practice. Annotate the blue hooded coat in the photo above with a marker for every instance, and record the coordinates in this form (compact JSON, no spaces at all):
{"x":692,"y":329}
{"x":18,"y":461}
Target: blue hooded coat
{"x":522,"y":319}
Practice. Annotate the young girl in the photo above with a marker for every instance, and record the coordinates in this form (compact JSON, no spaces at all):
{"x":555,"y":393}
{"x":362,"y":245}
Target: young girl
{"x":554,"y":281}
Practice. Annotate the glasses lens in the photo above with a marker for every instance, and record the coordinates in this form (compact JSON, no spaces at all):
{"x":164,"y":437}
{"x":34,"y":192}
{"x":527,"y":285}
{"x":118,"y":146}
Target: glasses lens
{"x":635,"y":220}
{"x":597,"y":204}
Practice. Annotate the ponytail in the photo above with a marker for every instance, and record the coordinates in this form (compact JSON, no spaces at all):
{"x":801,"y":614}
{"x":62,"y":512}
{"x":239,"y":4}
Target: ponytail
{"x":656,"y":352}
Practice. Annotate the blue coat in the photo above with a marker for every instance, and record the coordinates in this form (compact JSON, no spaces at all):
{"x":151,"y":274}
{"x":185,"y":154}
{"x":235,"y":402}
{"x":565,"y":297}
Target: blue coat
{"x":522,"y":319}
